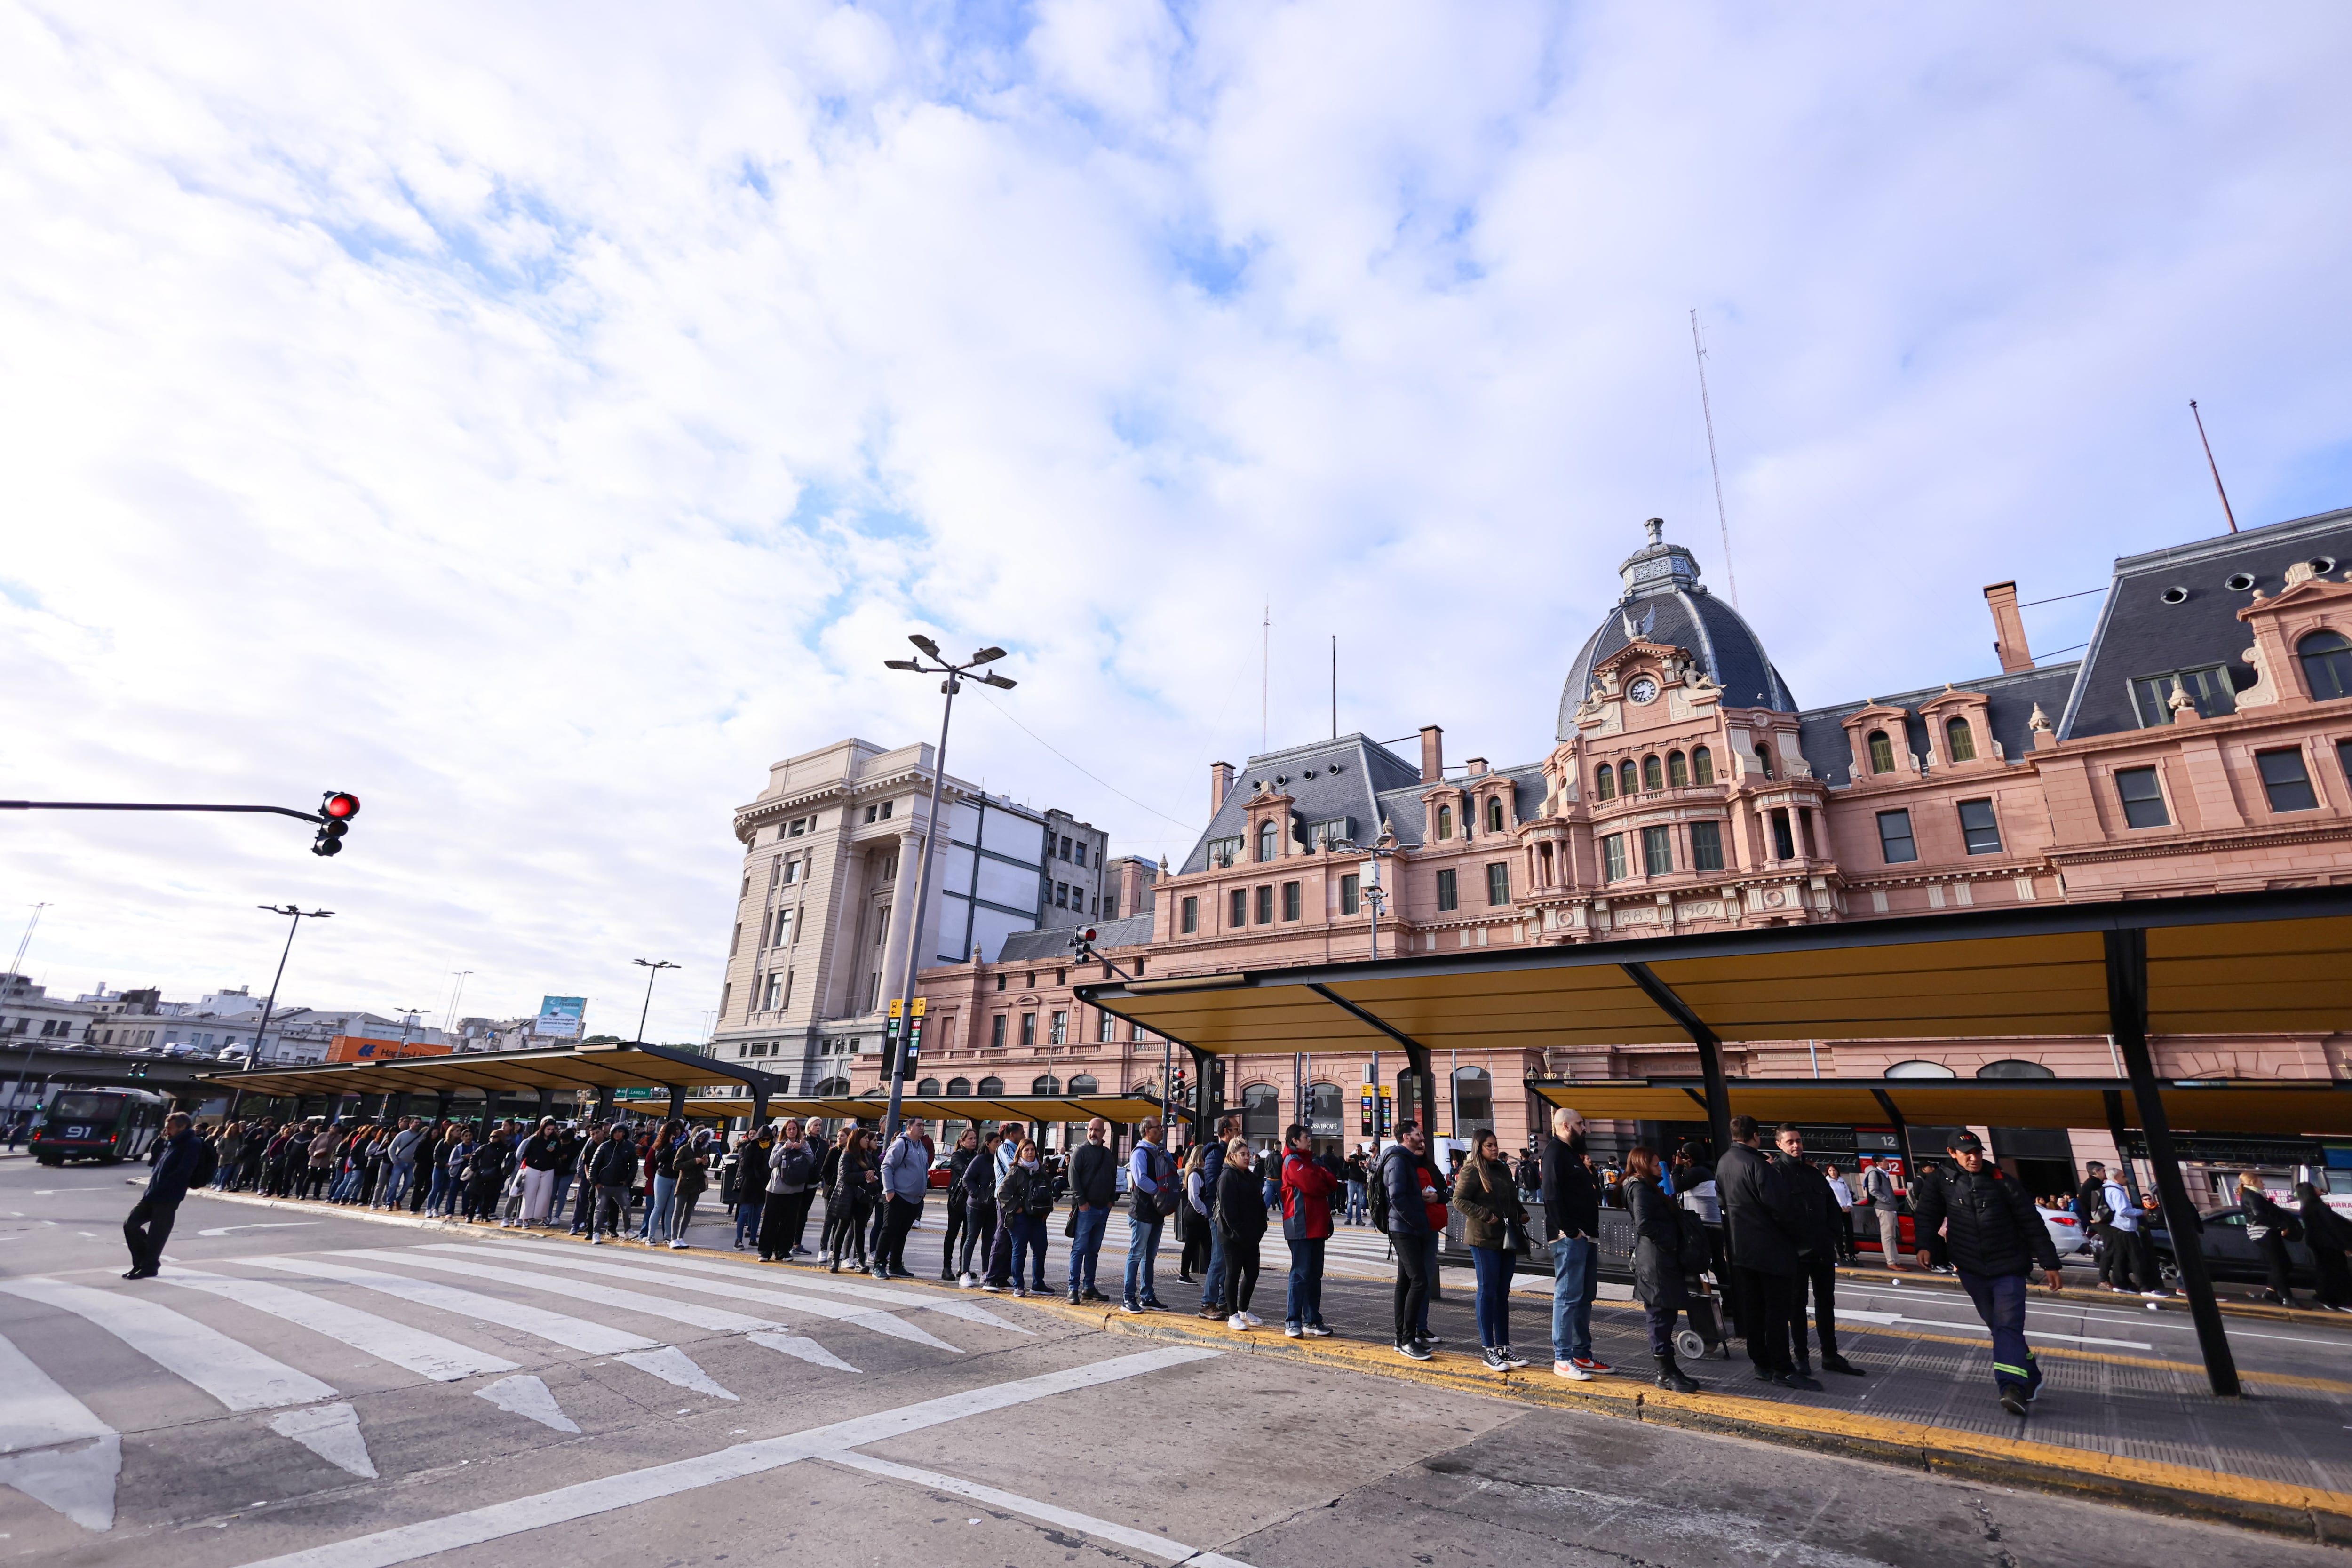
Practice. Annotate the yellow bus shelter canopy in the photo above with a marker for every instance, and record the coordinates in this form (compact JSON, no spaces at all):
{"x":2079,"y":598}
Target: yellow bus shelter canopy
{"x":2316,"y":1107}
{"x":591,"y":1068}
{"x":1125,"y":1108}
{"x":2278,"y":963}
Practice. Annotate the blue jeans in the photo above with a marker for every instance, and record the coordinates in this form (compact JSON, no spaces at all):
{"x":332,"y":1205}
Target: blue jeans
{"x":1303,"y":1305}
{"x":393,"y":1190}
{"x":1213,"y":1283}
{"x":1085,"y":1243}
{"x":1494,"y":1268}
{"x":1574,"y":1283}
{"x":747,"y":1221}
{"x":1142,"y":1255}
{"x":1028,"y":1233}
{"x":1357,"y":1212}
{"x":657,"y":1213}
{"x":2001,"y":1302}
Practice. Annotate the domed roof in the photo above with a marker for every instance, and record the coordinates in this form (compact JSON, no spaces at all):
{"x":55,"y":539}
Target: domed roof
{"x":1666,"y":602}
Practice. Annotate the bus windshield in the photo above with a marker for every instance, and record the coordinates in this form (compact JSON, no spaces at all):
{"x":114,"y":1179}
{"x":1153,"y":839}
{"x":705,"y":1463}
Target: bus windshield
{"x":86,"y":1106}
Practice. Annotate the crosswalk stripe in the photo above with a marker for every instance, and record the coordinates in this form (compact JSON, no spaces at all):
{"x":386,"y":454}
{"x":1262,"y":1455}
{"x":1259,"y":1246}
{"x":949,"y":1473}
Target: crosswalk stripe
{"x":426,"y":1354}
{"x":53,"y":1447}
{"x":877,"y":1322}
{"x":236,"y":1374}
{"x":807,"y":1350}
{"x":527,"y":1396}
{"x":715,"y":1319}
{"x":573,"y":1333}
{"x":1119,"y":1534}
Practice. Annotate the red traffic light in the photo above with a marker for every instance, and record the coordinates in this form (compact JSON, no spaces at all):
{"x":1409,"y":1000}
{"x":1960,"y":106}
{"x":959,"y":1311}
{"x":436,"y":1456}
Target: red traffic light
{"x":339,"y":806}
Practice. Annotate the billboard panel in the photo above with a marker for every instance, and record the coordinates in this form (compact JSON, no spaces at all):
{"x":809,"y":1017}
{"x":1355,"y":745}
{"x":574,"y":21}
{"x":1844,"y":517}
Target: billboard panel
{"x":560,"y":1018}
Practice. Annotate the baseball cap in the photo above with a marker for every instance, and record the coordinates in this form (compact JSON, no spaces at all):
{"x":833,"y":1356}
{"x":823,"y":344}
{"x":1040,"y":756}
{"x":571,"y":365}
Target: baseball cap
{"x":1966,"y":1143}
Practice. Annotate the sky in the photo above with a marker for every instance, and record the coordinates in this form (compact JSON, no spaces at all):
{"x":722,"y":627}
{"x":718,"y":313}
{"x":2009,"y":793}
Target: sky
{"x":539,"y":419}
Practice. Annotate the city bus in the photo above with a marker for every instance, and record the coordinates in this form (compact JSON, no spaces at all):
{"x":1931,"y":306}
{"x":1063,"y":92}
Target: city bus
{"x":101,"y":1124}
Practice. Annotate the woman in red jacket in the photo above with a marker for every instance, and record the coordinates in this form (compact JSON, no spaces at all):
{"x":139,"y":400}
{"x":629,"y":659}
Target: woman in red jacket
{"x":1306,"y":1188}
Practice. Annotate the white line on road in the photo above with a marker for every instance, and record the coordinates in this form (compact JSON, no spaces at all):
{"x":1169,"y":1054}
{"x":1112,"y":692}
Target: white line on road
{"x":859,"y":1317}
{"x":39,"y":1423}
{"x":236,"y":1374}
{"x":693,"y":1314}
{"x":426,"y":1354}
{"x":271,"y":1225}
{"x":527,"y":1396}
{"x":498,"y":1520}
{"x":1102,"y":1528}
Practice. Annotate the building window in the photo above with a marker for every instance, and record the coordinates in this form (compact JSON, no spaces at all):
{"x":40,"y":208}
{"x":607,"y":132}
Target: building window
{"x":793,"y":870}
{"x":1084,"y":1083}
{"x":996,"y":1030}
{"x":2343,"y":759}
{"x":1498,"y":883}
{"x":886,"y":809}
{"x":989,"y":1088}
{"x":1028,"y":1029}
{"x":1979,"y":829}
{"x":1612,"y":857}
{"x":775,"y":990}
{"x":736,"y":941}
{"x":1784,"y":840}
{"x":1677,"y":770}
{"x":1269,"y":841}
{"x":1333,"y":830}
{"x":1189,"y":921}
{"x":1352,"y":893}
{"x":2286,"y":782}
{"x":1290,"y":901}
{"x":1653,"y":773}
{"x":1625,"y":783}
{"x":1493,"y":814}
{"x":801,"y":826}
{"x":1224,"y":852}
{"x":1445,"y":822}
{"x":1061,"y":895}
{"x":1702,"y":766}
{"x":2143,"y":799}
{"x":1960,"y":740}
{"x":1707,"y":845}
{"x":869,"y":813}
{"x":1895,"y":844}
{"x":1103,"y":1022}
{"x":1080,"y":852}
{"x":1237,"y":910}
{"x":1764,"y":761}
{"x":1604,"y":782}
{"x":958,"y":1089}
{"x":1065,"y":847}
{"x":1265,"y":904}
{"x":928,"y":1089}
{"x":2208,"y":687}
{"x":1001,"y":979}
{"x":1882,"y":752}
{"x":1448,"y":898}
{"x":1657,"y":851}
{"x":1045,"y":1083}
{"x":1261,"y":1114}
{"x":1110,"y":906}
{"x":2326,"y":664}
{"x":1058,"y":1029}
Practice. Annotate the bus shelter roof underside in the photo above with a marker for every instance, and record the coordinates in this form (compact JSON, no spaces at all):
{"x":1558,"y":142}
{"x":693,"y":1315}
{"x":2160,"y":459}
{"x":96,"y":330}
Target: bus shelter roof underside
{"x":592,"y":1067}
{"x":1122,"y":1109}
{"x":2314,"y":1109}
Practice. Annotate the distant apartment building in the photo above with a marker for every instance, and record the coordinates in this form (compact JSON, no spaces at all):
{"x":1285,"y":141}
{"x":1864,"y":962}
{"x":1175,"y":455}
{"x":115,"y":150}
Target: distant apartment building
{"x":223,"y":1021}
{"x":826,"y":912}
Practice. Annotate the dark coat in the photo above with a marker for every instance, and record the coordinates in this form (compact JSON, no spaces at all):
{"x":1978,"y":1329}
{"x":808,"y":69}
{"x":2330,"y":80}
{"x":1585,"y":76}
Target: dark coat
{"x":751,"y":1171}
{"x":1990,"y":1225}
{"x":168,"y":1183}
{"x":1486,"y":1196}
{"x":1024,"y":1191}
{"x":1761,"y":1221}
{"x":1093,"y":1176}
{"x":1817,"y":1207}
{"x":1571,"y":1194}
{"x":1658,"y":1279}
{"x":1408,"y":1213}
{"x":1241,"y":1207}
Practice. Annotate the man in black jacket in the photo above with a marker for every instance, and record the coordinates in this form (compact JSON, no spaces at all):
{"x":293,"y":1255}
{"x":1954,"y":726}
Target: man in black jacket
{"x":1994,"y":1236}
{"x":1764,"y":1228}
{"x":1093,"y":1188}
{"x":1571,"y":1200}
{"x":149,"y":1223}
{"x":1817,"y":1256}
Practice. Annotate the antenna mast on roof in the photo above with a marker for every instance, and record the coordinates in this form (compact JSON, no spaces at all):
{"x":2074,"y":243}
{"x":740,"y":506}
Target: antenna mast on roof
{"x":1335,"y":686}
{"x":1264,"y":675}
{"x":1707,"y":412}
{"x":2228,"y":515}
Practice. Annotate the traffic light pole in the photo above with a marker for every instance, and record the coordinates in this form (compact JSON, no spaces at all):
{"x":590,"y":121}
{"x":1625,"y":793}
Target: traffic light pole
{"x":332,"y":817}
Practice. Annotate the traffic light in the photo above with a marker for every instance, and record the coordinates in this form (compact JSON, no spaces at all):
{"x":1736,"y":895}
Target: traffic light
{"x":1216,"y":1086}
{"x":336,"y":810}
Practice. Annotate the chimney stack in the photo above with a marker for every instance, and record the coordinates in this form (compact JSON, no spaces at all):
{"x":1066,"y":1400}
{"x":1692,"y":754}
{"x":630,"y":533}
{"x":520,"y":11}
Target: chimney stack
{"x":1477,"y":766}
{"x":2008,"y":628}
{"x":1432,"y":753}
{"x":1221,"y":780}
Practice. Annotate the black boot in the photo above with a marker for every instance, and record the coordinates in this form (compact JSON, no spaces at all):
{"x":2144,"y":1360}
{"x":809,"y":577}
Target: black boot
{"x":1670,"y":1377}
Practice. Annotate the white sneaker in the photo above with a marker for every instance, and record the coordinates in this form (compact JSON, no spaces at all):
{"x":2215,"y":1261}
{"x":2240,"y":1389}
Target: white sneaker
{"x":1253,"y":1319}
{"x":1293,"y":1331}
{"x":676,"y":1243}
{"x":1571,"y":1371}
{"x":967,"y":1281}
{"x":1240,"y":1320}
{"x":1316,"y":1331}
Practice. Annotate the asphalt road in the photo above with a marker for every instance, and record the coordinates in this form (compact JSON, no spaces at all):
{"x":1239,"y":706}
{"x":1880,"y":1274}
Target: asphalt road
{"x":277,"y":1396}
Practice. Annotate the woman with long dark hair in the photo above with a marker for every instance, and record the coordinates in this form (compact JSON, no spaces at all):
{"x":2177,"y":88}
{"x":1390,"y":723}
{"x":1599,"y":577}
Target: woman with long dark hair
{"x":852,"y":1194}
{"x":1493,"y":1217}
{"x":1661,"y":1283}
{"x":2267,"y":1226}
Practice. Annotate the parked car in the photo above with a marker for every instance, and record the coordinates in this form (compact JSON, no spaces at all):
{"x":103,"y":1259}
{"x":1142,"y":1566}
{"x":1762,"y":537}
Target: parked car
{"x":2230,"y":1256}
{"x":942,"y":1172}
{"x":2066,"y":1233}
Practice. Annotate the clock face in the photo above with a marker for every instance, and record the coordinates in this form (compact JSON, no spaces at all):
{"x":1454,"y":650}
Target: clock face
{"x":1644,"y":689}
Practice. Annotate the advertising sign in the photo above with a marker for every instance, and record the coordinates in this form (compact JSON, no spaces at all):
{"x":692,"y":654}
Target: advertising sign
{"x":561,"y":1017}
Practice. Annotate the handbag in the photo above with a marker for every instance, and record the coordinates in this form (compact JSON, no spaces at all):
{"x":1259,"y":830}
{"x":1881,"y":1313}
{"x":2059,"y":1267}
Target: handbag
{"x":2258,"y":1232}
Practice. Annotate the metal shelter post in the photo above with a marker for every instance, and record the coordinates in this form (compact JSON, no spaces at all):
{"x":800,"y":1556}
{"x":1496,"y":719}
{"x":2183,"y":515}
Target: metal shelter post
{"x":1710,"y":1050}
{"x":604,"y":1103}
{"x":2127,"y":952}
{"x":759,"y":1105}
{"x":678,"y":1102}
{"x":546,"y":1103}
{"x":1202,"y":1108}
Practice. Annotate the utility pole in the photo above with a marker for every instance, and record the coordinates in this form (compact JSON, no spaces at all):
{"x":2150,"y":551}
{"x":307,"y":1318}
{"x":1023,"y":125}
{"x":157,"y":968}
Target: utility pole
{"x":653,"y":971}
{"x":17,"y":975}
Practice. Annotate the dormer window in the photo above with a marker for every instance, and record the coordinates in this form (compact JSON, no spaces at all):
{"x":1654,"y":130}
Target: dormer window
{"x":1269,"y":840}
{"x":1882,"y":752}
{"x":2326,"y":660}
{"x":1445,"y":822}
{"x":1224,"y":852}
{"x":1493,"y":814}
{"x":1764,"y":761}
{"x":1960,"y":740}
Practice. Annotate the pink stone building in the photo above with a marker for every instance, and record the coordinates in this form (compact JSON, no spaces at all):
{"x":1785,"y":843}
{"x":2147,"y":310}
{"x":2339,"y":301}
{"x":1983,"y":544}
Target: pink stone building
{"x":2200,"y":744}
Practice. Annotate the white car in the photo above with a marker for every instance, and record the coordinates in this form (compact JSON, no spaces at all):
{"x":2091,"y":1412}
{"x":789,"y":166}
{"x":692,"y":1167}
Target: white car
{"x":2066,"y":1233}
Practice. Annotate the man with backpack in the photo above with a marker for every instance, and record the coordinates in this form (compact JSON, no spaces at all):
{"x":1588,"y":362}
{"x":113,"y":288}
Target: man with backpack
{"x":1878,"y":1191}
{"x":1151,"y":1197}
{"x":1994,"y":1236}
{"x":183,"y":1161}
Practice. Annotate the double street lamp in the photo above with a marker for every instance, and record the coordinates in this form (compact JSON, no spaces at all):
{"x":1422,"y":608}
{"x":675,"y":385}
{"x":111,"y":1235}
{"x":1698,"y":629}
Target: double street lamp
{"x":954,"y":675}
{"x":297,"y":916}
{"x":653,"y":970}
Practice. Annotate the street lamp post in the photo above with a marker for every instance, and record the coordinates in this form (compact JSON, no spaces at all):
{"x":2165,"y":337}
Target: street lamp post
{"x":297,"y":916}
{"x":955,"y":674}
{"x":653,"y":970}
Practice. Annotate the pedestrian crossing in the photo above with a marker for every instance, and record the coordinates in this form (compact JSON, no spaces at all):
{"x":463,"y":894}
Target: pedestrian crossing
{"x":272,"y":1337}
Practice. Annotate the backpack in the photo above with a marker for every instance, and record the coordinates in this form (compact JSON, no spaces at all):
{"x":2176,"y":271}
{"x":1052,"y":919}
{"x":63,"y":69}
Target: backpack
{"x":207,"y":1165}
{"x":1376,"y":1191}
{"x":790,"y":1169}
{"x":1694,"y":1253}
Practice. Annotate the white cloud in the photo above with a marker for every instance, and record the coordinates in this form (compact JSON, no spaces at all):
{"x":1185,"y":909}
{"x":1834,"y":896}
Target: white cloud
{"x":540,"y":420}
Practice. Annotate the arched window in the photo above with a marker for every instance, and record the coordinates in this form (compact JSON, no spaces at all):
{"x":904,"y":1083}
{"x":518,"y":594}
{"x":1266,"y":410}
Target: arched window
{"x":1919,"y":1069}
{"x":832,"y":1086}
{"x":1882,"y":752}
{"x":1084,"y":1083}
{"x":1677,"y":769}
{"x":929,"y":1088}
{"x":2013,"y":1068}
{"x":1262,"y":1114}
{"x":989,"y":1088}
{"x":1702,"y":766}
{"x":1653,"y":773}
{"x":1604,"y":782}
{"x":1493,"y":814}
{"x":1269,"y":840}
{"x":1764,"y":760}
{"x":1960,"y":740}
{"x":1046,"y":1084}
{"x":958,"y":1089}
{"x":2326,"y":664}
{"x":1473,"y":1102}
{"x":1445,"y":822}
{"x":1625,"y":784}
